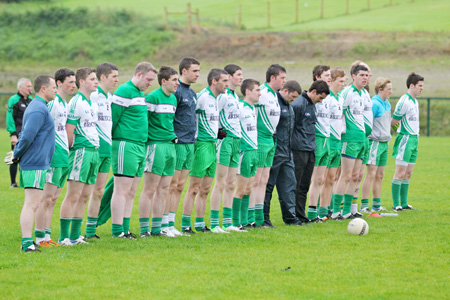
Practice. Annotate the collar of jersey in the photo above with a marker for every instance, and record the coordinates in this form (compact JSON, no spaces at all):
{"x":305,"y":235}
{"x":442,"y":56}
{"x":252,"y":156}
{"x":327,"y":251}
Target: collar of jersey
{"x":101,"y":91}
{"x":37,"y":97}
{"x":229,"y":91}
{"x":356,"y":90}
{"x":246,"y":104}
{"x":269,"y":88}
{"x":83,"y":97}
{"x":409,"y":96}
{"x":59,"y":98}
{"x":333,"y":95}
{"x":210,"y":92}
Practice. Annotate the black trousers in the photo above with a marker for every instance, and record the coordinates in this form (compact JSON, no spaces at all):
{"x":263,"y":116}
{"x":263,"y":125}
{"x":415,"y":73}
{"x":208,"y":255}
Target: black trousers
{"x":304,"y":167}
{"x":282,"y":176}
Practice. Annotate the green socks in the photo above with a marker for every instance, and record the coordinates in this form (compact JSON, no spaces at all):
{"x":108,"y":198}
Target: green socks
{"x":396,"y":185}
{"x":348,"y":199}
{"x":165,"y":221}
{"x":199,"y":223}
{"x":259,"y":214}
{"x":65,"y":227}
{"x":214,"y":218}
{"x":337,"y":199}
{"x":251,"y":215}
{"x":227,"y":212}
{"x":40,"y":235}
{"x":376,"y":203}
{"x":244,"y":210}
{"x":185,"y":221}
{"x":156,"y":225}
{"x":75,"y":230}
{"x":144,"y":224}
{"x":91,"y":226}
{"x":312,"y":212}
{"x":235,"y":211}
{"x":323,"y":211}
{"x":364,"y":203}
{"x":404,"y":193}
{"x":26,"y":242}
{"x":117,"y":229}
{"x":126,"y":225}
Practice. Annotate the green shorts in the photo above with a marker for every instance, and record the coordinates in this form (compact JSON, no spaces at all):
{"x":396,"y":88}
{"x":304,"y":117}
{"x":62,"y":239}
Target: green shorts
{"x":353,"y":150}
{"x":248,"y":163}
{"x":334,"y":158}
{"x":266,"y":152}
{"x":322,"y":150}
{"x":406,"y":148}
{"x":366,"y":151}
{"x":83,"y":165}
{"x":105,"y":165}
{"x":204,"y":163}
{"x":160,"y":159}
{"x":33,"y":179}
{"x":57,"y":176}
{"x":378,"y":153}
{"x":185,"y":156}
{"x":128,"y":158}
{"x":228,"y":151}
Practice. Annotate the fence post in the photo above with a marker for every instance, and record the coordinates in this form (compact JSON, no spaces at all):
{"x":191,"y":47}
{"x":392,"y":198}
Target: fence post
{"x":268,"y":14}
{"x":428,"y":116}
{"x":189,"y":17}
{"x":198,"y":18}
{"x":166,"y":17}
{"x":390,"y":2}
{"x":346,"y":7}
{"x":368,"y":4}
{"x":321,"y":9}
{"x":296,"y":11}
{"x":240,"y":17}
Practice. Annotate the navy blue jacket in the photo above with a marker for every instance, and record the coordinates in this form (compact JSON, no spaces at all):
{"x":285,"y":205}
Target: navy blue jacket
{"x":285,"y":128}
{"x":185,"y":122}
{"x":304,"y":136}
{"x":36,"y":142}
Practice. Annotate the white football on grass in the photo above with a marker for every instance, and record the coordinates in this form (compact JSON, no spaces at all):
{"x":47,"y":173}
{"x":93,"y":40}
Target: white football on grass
{"x":358,"y":227}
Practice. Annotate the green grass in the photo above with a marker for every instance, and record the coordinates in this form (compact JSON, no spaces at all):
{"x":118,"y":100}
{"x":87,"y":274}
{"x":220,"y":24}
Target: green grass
{"x":422,"y":15}
{"x":403,"y":257}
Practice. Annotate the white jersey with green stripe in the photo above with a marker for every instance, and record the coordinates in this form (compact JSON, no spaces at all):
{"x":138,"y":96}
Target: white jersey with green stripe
{"x":268,"y":114}
{"x":208,"y":115}
{"x":104,"y":123}
{"x":58,"y":111}
{"x":335,"y":104}
{"x":353,"y":112}
{"x":247,"y":118}
{"x":83,"y":113}
{"x":368,"y":113}
{"x":323,"y":117}
{"x":407,"y":112}
{"x":229,"y":113}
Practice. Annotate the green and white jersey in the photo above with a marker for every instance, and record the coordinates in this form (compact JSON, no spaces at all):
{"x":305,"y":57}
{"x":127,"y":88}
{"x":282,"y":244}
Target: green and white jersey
{"x":104,"y":123}
{"x":58,"y":111}
{"x":83,"y":113}
{"x":161,"y":112}
{"x":207,"y":115}
{"x":407,"y":112}
{"x":368,"y":113}
{"x":229,"y":113}
{"x":335,"y":104}
{"x":129,"y":114}
{"x":268,"y":114}
{"x":323,"y":117}
{"x":248,"y":121}
{"x":353,"y":112}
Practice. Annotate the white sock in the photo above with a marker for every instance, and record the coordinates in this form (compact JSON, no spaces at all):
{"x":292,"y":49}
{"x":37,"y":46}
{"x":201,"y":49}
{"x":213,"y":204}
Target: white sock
{"x":165,"y":220}
{"x":47,"y":237}
{"x":354,"y":208}
{"x":39,"y":240}
{"x":172,"y":217}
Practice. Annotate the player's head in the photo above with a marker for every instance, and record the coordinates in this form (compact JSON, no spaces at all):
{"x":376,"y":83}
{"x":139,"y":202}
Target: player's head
{"x":189,"y":69}
{"x":168,"y":79}
{"x":86,"y":79}
{"x":322,"y":72}
{"x":414,"y":82}
{"x":218,"y":80}
{"x":276,"y":76}
{"x":338,"y":79}
{"x":318,"y":91}
{"x":234,"y":74}
{"x":360,"y":75}
{"x":251,"y":90}
{"x":108,"y":75}
{"x":383,"y":87}
{"x":65,"y":80}
{"x":361,"y":63}
{"x":24,"y":87}
{"x":144,"y":75}
{"x":290,"y":91}
{"x":45,"y":87}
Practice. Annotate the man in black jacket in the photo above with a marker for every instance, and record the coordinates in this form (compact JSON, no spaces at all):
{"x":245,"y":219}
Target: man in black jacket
{"x":304,"y":141}
{"x":282,"y":172}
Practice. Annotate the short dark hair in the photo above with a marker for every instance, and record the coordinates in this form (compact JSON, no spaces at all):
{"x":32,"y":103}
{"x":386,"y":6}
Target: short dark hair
{"x":320,"y":86}
{"x":232,"y":68}
{"x":105,"y":69}
{"x":274,"y":70}
{"x":413,"y":79}
{"x":82,"y":74}
{"x":248,"y":84}
{"x":358,"y":68}
{"x":292,"y":86}
{"x":186,"y":63}
{"x":318,"y":70}
{"x":40,"y":81}
{"x":165,"y":73}
{"x":62,"y":74}
{"x":215,"y":74}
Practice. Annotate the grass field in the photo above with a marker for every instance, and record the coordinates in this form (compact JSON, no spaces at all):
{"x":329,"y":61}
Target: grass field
{"x":405,"y":257}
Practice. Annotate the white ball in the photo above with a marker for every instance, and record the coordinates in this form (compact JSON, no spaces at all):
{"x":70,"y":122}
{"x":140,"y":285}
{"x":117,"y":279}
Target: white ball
{"x":358,"y":227}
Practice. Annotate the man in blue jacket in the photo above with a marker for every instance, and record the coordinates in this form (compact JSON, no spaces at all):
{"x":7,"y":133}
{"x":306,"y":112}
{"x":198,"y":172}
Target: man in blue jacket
{"x":34,"y":151}
{"x":282,"y":172}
